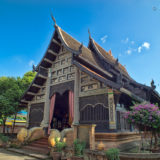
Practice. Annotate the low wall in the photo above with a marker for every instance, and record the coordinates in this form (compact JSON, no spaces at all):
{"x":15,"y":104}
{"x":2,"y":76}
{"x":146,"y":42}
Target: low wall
{"x":117,"y":140}
{"x":99,"y":155}
{"x":139,"y":156}
{"x":94,"y":155}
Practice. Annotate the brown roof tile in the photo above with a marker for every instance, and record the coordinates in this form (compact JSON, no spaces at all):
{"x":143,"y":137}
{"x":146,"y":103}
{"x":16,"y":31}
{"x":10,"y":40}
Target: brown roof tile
{"x":87,"y":53}
{"x":74,"y":44}
{"x":109,"y":56}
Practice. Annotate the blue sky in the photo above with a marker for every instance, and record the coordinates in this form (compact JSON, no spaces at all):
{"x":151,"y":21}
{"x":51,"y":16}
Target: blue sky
{"x":130,"y":28}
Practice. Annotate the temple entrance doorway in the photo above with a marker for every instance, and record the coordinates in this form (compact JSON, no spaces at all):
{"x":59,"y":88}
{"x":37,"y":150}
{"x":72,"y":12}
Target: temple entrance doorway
{"x":60,"y":119}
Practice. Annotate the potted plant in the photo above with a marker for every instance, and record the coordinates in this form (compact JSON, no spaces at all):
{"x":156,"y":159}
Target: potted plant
{"x":79,"y":147}
{"x":57,"y":149}
{"x":112,"y":154}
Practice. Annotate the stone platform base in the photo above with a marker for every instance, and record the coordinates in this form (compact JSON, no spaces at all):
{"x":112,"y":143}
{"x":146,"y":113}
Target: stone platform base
{"x":117,"y":140}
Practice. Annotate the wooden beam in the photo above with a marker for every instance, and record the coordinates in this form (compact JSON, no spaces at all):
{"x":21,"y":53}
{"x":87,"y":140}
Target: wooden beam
{"x":47,"y":60}
{"x":41,"y":76}
{"x":51,"y":52}
{"x":31,"y":93}
{"x":123,"y":90}
{"x":23,"y":105}
{"x":24,"y":101}
{"x":53,"y":40}
{"x":36,"y":85}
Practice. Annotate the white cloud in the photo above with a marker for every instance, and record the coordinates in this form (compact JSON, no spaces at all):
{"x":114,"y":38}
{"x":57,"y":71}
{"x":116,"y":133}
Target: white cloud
{"x":139,"y":49}
{"x":132,"y":42}
{"x":31,"y":62}
{"x":125,"y":41}
{"x":145,"y":45}
{"x":103,"y":39}
{"x":129,"y":51}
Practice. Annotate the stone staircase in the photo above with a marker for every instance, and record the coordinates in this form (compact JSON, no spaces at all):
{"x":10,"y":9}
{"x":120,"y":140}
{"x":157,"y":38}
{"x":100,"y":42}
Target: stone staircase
{"x":39,"y":146}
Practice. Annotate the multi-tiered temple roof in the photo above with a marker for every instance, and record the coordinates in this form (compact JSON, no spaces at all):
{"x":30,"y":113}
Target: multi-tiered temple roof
{"x":93,"y":60}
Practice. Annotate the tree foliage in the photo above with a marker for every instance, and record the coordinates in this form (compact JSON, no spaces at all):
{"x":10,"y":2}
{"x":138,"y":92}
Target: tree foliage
{"x":27,"y":79}
{"x":11,"y":90}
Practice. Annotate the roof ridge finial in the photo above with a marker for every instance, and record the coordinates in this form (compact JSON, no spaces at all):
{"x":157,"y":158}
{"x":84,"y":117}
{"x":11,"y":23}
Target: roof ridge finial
{"x":117,"y":61}
{"x":80,"y":47}
{"x":89,"y":33}
{"x":53,"y":19}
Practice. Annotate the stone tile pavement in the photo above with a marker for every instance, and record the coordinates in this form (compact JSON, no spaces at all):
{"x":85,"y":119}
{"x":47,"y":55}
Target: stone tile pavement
{"x":8,"y":155}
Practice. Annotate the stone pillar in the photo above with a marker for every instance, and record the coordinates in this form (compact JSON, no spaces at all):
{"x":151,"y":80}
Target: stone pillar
{"x":92,"y":137}
{"x":45,"y":121}
{"x":75,"y":131}
{"x":112,"y":110}
{"x":76,"y":97}
{"x":86,"y":133}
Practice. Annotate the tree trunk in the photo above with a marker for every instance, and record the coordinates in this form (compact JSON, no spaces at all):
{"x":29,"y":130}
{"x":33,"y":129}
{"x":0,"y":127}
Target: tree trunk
{"x":15,"y":116}
{"x":156,"y":141}
{"x":141,"y":141}
{"x":151,"y":141}
{"x":4,"y":125}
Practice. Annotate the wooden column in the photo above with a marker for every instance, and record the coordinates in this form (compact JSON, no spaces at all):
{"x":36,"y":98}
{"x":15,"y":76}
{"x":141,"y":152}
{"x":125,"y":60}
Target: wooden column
{"x":76,"y":97}
{"x":28,"y":112}
{"x":45,"y":121}
{"x":112,"y":110}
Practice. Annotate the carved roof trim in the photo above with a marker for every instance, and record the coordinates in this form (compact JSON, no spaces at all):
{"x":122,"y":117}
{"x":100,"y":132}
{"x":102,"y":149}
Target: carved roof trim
{"x":62,"y":35}
{"x":25,"y":93}
{"x":96,"y":75}
{"x":107,"y":56}
{"x":48,"y":48}
{"x":97,"y":67}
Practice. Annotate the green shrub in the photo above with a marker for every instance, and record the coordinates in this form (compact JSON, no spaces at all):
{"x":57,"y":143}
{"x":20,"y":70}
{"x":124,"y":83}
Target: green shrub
{"x":59,"y":146}
{"x":112,"y":154}
{"x":79,"y":147}
{"x":4,"y":138}
{"x":13,"y":145}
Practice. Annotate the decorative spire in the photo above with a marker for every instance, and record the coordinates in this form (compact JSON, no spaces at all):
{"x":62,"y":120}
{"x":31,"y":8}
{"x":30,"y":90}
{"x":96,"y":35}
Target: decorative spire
{"x":153,"y":86}
{"x":54,"y":20}
{"x":117,"y":61}
{"x":89,"y":33}
{"x":33,"y":68}
{"x":80,"y":47}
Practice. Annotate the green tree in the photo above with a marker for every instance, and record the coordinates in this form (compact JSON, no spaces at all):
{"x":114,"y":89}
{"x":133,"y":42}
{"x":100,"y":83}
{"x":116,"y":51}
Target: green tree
{"x":11,"y":91}
{"x":9,"y":94}
{"x":27,"y":79}
{"x":23,"y":85}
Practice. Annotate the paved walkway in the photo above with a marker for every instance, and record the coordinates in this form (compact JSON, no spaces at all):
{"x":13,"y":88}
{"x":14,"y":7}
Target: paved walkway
{"x":7,"y":155}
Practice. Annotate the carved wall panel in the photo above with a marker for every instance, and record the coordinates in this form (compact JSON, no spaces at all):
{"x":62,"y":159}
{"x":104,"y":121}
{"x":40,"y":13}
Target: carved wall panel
{"x":89,"y":86}
{"x":36,"y":115}
{"x":62,"y":87}
{"x":94,"y":110}
{"x":83,"y":101}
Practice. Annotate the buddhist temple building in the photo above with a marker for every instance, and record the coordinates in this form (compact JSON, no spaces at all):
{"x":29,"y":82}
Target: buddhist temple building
{"x":76,"y":85}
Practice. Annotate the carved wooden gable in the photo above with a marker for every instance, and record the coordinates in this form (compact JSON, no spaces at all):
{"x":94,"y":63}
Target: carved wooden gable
{"x":62,"y":69}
